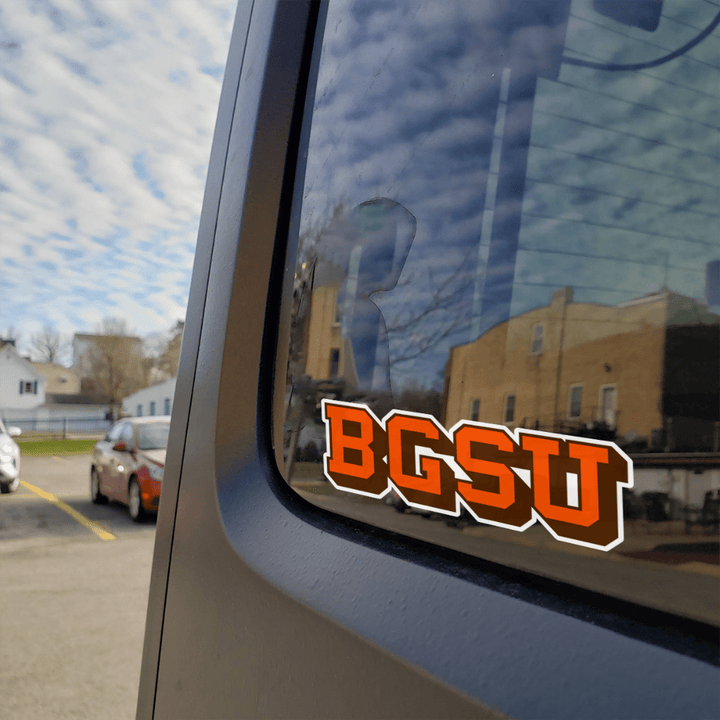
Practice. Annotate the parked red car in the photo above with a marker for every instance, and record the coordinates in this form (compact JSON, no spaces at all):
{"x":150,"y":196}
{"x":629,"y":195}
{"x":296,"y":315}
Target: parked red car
{"x":128,"y":464}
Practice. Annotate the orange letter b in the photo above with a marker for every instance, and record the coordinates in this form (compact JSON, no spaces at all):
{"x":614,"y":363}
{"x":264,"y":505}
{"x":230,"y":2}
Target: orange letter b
{"x":354,"y":436}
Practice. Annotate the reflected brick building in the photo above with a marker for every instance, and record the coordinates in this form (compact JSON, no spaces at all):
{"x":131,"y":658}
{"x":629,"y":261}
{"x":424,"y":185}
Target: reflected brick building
{"x":647,"y":371}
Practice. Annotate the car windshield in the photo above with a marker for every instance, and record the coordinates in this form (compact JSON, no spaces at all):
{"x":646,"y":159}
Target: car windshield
{"x":153,"y":436}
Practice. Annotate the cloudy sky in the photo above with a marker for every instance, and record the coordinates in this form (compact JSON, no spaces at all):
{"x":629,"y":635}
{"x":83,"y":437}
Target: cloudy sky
{"x":107,"y":114}
{"x":427,"y":105}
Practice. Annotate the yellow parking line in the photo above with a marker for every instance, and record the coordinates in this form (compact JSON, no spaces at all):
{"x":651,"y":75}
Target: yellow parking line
{"x":59,"y":459}
{"x":89,"y":524}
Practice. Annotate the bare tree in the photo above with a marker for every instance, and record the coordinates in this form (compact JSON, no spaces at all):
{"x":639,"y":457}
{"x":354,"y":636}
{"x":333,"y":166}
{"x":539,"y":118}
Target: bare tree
{"x":49,"y":346}
{"x":427,"y":327}
{"x":116,"y":361}
{"x":170,"y":356}
{"x":161,"y":355}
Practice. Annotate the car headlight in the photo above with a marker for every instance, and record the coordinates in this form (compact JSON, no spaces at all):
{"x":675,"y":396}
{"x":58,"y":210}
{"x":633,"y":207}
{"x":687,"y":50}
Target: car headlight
{"x":7,"y":453}
{"x":156,"y":471}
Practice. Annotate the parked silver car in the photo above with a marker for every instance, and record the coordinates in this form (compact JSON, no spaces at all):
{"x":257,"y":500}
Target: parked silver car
{"x":9,"y":459}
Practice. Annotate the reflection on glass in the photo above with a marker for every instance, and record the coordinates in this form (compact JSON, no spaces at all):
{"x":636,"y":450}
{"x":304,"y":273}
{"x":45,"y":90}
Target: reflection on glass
{"x":510,"y":216}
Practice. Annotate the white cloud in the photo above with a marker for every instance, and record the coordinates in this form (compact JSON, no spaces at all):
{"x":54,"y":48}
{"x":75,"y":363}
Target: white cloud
{"x":88,"y":90}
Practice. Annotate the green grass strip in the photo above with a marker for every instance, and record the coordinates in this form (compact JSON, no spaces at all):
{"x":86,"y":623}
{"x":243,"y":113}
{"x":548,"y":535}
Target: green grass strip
{"x":56,"y":447}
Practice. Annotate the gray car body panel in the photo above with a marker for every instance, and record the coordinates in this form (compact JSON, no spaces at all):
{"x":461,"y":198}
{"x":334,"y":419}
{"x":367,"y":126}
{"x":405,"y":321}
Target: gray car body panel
{"x":264,"y":606}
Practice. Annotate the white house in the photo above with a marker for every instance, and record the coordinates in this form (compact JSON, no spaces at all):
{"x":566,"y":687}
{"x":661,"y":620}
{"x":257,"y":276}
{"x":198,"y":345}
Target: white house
{"x":155,"y":400}
{"x":22,"y":387}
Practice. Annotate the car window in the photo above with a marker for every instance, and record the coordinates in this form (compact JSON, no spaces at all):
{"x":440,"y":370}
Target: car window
{"x":127,"y":435}
{"x":114,"y":432}
{"x":153,"y":436}
{"x":508,"y":261}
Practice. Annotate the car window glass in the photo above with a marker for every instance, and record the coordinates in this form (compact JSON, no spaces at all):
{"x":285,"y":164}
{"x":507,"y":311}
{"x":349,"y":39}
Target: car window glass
{"x":114,"y":433}
{"x":153,"y":436}
{"x":510,"y":218}
{"x":127,"y":435}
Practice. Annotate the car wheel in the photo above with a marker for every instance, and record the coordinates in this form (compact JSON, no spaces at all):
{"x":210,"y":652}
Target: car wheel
{"x":8,"y":487}
{"x":137,"y":511}
{"x":96,"y":496}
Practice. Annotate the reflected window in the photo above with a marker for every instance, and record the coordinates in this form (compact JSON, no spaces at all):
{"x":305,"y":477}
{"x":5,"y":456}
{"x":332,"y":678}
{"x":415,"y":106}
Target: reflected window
{"x":608,"y":404}
{"x":575,"y":401}
{"x":139,"y":411}
{"x":536,"y":344}
{"x":509,"y":413}
{"x":166,"y":406}
{"x":152,"y":407}
{"x":334,"y":362}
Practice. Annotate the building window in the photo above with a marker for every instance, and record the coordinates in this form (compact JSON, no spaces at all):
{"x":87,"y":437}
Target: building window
{"x":339,"y":300}
{"x":28,"y":388}
{"x":575,"y":401}
{"x":509,"y":414}
{"x":334,"y":362}
{"x":536,"y":343}
{"x":475,"y":409}
{"x":166,"y":406}
{"x":608,"y":404}
{"x":139,"y":411}
{"x":152,"y":407}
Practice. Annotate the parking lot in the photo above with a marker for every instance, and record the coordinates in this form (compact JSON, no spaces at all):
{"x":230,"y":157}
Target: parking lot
{"x":73,"y":596}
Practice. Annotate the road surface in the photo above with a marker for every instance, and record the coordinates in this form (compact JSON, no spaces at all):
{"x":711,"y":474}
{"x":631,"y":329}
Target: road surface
{"x":73,"y":597}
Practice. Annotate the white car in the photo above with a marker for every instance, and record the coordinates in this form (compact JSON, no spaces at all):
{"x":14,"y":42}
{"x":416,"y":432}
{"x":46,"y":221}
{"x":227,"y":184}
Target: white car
{"x":9,"y":459}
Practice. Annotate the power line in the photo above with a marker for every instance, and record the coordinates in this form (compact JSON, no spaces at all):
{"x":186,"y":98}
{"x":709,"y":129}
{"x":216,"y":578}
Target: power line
{"x":659,"y":143}
{"x":642,"y":39}
{"x":571,"y":253}
{"x":677,"y":116}
{"x":686,"y":24}
{"x":657,"y":78}
{"x":574,"y":287}
{"x":607,"y":226}
{"x":652,"y":63}
{"x":675,"y":178}
{"x":619,"y":196}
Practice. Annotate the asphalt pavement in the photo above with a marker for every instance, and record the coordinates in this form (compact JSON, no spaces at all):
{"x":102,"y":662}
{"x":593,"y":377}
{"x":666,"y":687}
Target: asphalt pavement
{"x":73,"y":597}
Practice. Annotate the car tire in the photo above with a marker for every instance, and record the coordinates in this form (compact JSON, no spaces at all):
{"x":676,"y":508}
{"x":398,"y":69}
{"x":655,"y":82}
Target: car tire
{"x":95,"y":495}
{"x":135,"y":506}
{"x":11,"y":486}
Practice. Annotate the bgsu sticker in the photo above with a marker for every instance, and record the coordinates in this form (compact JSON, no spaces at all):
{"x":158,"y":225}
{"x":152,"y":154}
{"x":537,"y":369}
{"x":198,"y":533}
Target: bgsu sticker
{"x":572,"y":485}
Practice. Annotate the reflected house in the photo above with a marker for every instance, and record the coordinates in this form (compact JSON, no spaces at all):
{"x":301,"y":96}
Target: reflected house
{"x":328,"y":354}
{"x":645,"y":372}
{"x":318,"y":349}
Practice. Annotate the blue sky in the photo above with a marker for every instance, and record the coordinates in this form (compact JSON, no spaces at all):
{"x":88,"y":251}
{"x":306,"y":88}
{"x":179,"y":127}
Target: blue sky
{"x":107,"y":114}
{"x":622,"y":191}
